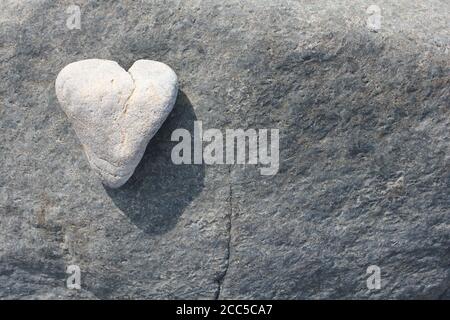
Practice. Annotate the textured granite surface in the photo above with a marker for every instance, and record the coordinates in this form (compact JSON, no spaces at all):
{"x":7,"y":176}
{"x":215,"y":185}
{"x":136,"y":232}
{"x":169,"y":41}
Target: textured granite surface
{"x":364,"y":175}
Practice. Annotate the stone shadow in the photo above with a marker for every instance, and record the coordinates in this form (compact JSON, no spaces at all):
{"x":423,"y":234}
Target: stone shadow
{"x":159,"y":191}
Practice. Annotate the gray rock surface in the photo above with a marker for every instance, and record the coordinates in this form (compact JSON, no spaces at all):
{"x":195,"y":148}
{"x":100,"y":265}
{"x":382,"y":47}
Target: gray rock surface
{"x":364,"y":153}
{"x":115,"y":113}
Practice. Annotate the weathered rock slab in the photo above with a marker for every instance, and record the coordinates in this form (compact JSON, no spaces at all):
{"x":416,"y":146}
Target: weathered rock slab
{"x":364,"y":153}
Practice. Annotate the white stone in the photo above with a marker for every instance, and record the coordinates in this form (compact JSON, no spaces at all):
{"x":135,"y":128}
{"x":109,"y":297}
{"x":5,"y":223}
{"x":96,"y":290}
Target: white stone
{"x":115,"y":113}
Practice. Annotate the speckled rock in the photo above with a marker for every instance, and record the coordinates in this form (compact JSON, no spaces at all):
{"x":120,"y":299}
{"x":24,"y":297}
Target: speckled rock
{"x":364,"y":152}
{"x":115,"y":113}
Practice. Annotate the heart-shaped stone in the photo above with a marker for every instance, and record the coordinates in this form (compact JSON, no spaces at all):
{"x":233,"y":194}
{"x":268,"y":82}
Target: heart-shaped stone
{"x":115,"y":113}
